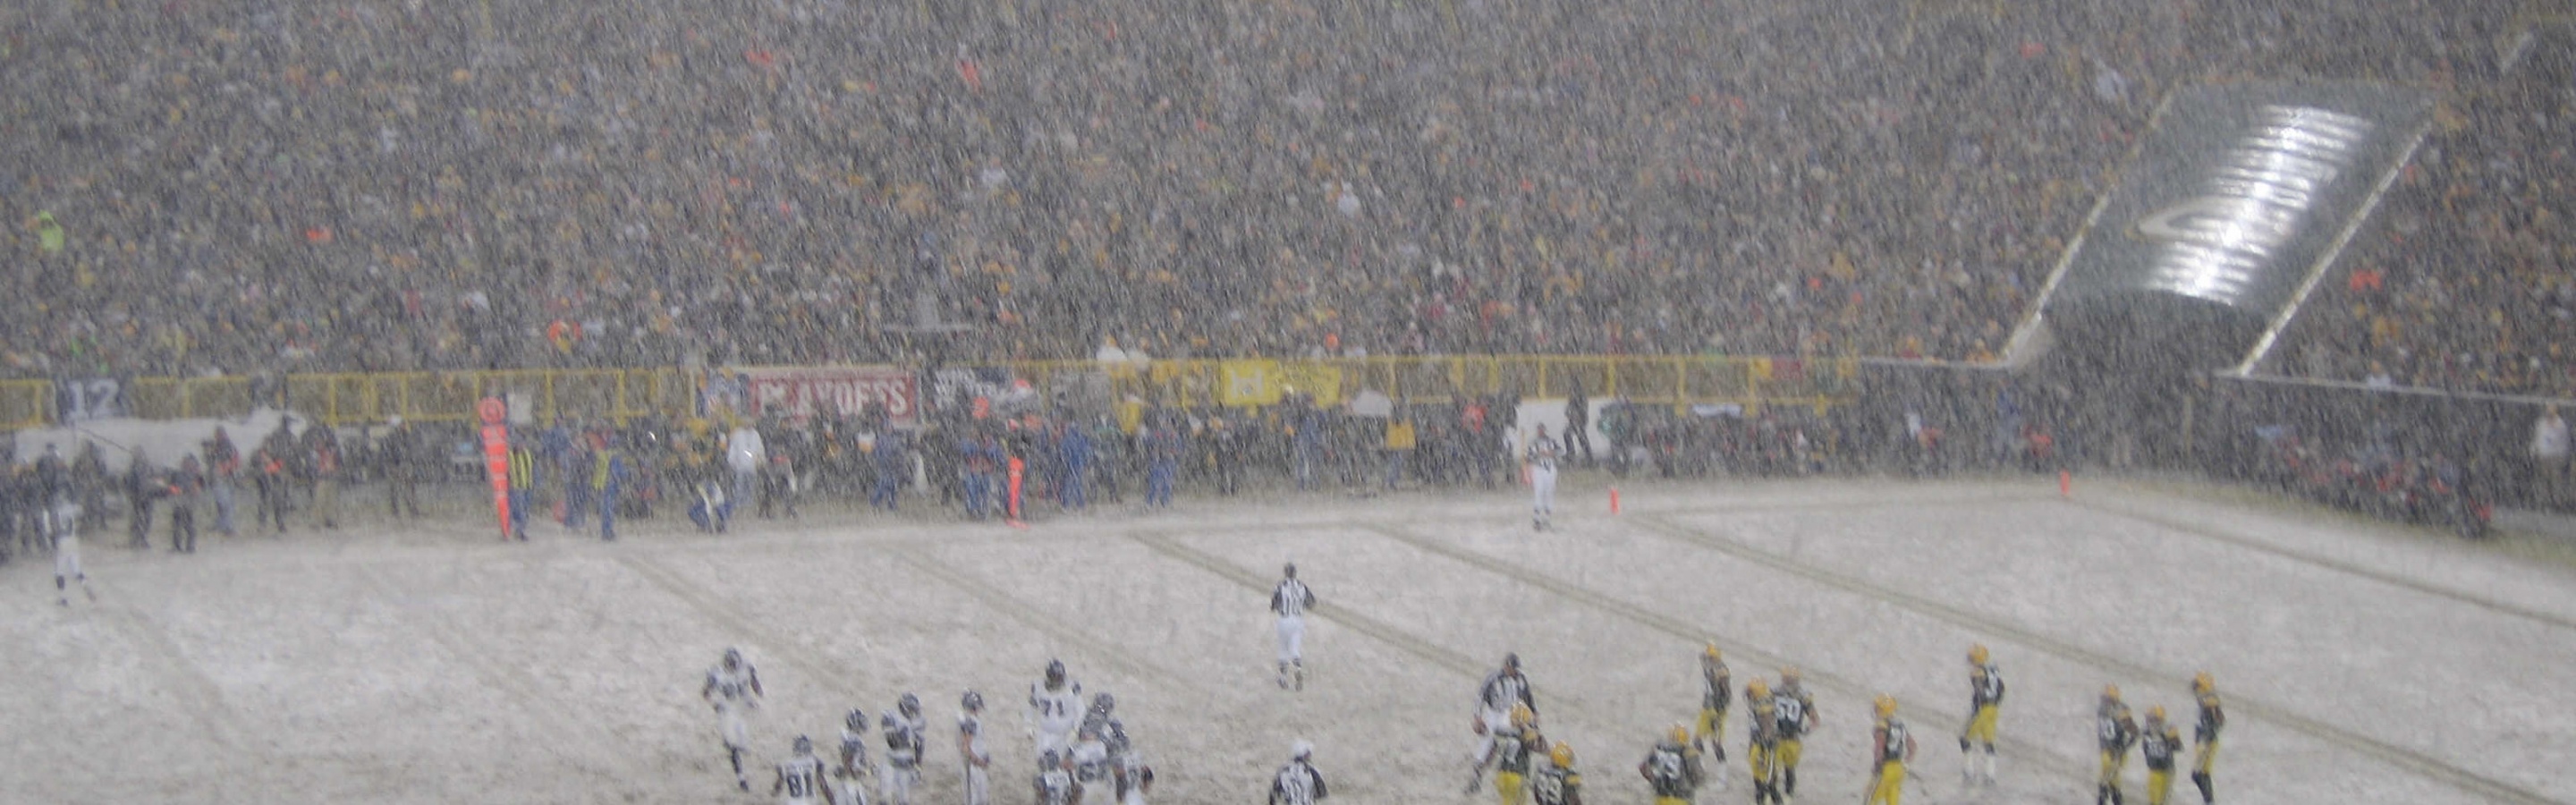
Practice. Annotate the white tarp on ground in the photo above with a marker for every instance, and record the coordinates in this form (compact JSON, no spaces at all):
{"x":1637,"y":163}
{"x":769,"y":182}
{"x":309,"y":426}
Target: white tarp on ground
{"x":163,"y":440}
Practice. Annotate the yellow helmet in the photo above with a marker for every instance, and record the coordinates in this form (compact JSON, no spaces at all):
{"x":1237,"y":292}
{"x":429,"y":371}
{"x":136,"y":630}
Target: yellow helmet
{"x":1562,"y":754}
{"x":1522,"y":716}
{"x":2156,"y":714}
{"x":1789,"y":675}
{"x":1757,"y":689}
{"x":1886,"y":705}
{"x":1710,"y":652}
{"x":2200,"y":683}
{"x":2111,"y":692}
{"x":1977,"y":654}
{"x":1680,"y":733}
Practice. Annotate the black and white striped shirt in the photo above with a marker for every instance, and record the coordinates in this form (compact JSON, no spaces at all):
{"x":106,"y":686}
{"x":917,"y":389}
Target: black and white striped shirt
{"x":1297,"y":784}
{"x":1292,"y":599}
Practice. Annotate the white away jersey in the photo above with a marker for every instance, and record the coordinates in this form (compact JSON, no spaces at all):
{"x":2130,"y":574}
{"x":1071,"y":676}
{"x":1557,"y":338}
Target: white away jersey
{"x":1057,"y":710}
{"x":903,"y":737}
{"x":732,"y":688}
{"x":1091,"y":762}
{"x":802,"y":777}
{"x":1055,"y":787}
{"x":854,"y":746}
{"x":973,"y":728}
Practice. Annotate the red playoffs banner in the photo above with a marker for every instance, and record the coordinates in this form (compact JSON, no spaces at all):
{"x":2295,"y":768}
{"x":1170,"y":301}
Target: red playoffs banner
{"x":800,"y":393}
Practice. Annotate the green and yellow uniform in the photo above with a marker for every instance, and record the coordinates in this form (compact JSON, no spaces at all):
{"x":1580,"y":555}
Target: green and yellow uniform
{"x":1672,"y":769}
{"x":2158,"y":746}
{"x":1762,"y":744}
{"x":1556,"y":785}
{"x":2204,"y":738}
{"x":2117,"y":730}
{"x":1512,"y":764}
{"x":1891,"y":746}
{"x":1795,"y":711}
{"x":1717,"y":692}
{"x":1985,"y":702}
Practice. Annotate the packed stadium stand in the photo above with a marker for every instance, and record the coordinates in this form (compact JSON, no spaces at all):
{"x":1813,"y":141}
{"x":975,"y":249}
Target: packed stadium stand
{"x":211,"y":186}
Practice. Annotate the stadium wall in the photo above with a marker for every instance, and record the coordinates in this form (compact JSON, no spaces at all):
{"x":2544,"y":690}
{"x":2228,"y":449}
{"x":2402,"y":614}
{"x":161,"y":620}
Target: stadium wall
{"x":620,"y":395}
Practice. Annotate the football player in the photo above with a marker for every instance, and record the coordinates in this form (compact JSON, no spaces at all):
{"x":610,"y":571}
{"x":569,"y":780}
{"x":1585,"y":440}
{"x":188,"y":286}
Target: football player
{"x":733,"y":686}
{"x":1890,"y":749}
{"x":1985,"y":698}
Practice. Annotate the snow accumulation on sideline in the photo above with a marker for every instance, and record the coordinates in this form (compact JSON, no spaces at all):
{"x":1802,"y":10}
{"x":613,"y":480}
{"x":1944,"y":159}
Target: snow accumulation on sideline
{"x":425,"y":661}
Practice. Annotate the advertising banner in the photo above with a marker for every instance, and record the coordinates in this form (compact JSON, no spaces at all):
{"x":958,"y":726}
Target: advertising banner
{"x":1248,"y":382}
{"x":797,"y":394}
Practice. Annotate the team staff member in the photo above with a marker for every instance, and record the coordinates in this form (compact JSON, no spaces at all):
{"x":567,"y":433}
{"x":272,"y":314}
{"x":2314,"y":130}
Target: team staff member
{"x":523,"y":487}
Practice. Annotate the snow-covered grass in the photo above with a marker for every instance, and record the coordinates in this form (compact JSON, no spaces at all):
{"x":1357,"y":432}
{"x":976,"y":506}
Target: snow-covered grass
{"x":428,"y":662}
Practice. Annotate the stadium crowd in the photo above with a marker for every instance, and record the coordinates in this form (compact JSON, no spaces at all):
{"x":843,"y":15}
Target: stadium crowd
{"x":232,"y":187}
{"x":2465,"y":281}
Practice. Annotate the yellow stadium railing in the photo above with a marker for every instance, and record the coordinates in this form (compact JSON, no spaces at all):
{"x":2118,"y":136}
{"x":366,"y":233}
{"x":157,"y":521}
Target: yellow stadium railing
{"x":620,"y":395}
{"x":26,"y":404}
{"x":601,"y":394}
{"x":1676,"y":380}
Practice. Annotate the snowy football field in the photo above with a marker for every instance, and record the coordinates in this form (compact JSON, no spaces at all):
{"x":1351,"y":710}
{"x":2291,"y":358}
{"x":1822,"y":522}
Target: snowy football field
{"x":2361,"y":662}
